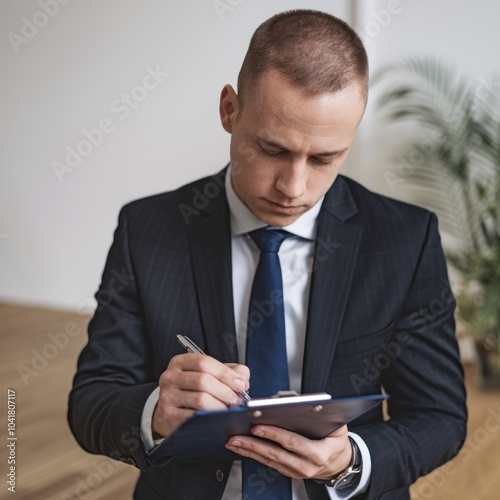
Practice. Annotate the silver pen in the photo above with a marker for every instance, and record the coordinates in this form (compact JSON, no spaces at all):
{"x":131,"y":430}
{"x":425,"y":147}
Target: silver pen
{"x":190,"y":346}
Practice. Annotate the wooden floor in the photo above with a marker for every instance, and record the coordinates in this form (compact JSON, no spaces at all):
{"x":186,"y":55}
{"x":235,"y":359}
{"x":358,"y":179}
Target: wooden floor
{"x":50,"y":465}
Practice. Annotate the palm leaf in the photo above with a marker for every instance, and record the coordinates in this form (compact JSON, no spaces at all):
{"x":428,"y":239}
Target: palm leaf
{"x":458,"y":169}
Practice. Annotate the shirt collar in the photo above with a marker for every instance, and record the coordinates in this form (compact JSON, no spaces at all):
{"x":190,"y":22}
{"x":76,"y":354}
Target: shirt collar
{"x":243,"y":220}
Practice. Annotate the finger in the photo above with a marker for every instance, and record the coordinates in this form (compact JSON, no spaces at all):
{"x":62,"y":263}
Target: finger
{"x":196,"y":400}
{"x":194,"y":382}
{"x":319,"y":453}
{"x":175,"y":406}
{"x":188,"y":372}
{"x":305,"y":455}
{"x":207,"y":364}
{"x":297,"y":443}
{"x":293,"y":455}
{"x":197,"y":390}
{"x":288,"y":440}
{"x":266,"y":453}
{"x":243,"y":371}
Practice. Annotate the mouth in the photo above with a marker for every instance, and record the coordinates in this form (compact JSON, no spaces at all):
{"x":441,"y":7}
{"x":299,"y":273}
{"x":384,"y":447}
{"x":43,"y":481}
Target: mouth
{"x":284,"y":209}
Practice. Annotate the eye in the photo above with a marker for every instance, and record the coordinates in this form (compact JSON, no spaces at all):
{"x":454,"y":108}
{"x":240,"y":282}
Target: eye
{"x":325,"y":163}
{"x":270,"y":153}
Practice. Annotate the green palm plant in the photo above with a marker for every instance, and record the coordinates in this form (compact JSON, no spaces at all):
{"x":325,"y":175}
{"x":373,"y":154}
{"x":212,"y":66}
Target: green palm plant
{"x":454,"y":164}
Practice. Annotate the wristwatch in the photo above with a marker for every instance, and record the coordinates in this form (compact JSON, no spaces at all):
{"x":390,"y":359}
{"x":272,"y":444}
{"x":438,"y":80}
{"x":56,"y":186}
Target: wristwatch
{"x":344,"y":478}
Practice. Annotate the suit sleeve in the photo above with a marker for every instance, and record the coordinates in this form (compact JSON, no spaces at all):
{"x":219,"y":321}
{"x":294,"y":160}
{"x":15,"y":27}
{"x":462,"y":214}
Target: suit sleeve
{"x":424,"y":379}
{"x":113,"y":380}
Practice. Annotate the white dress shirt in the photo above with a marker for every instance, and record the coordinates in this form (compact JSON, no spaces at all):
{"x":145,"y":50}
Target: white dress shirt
{"x":296,"y":258}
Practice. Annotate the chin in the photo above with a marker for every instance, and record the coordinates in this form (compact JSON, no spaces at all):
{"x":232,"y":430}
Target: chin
{"x":277,"y":220}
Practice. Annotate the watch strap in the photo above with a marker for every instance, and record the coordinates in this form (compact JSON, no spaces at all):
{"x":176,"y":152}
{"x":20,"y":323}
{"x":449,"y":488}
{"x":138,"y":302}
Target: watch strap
{"x":345,"y":477}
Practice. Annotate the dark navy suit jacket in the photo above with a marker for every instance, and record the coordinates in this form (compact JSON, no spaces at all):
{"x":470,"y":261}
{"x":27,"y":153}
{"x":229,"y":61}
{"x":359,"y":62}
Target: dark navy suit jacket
{"x":380,"y":316}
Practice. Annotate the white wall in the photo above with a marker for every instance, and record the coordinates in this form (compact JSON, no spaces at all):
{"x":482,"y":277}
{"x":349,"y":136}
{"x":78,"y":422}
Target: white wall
{"x":54,"y":234}
{"x":462,"y":33}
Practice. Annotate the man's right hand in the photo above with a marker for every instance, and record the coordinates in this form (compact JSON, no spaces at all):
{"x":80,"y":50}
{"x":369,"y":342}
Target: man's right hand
{"x":196,"y":382}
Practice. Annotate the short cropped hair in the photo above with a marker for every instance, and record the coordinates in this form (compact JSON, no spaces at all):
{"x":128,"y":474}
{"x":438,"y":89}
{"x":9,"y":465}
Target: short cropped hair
{"x":318,"y":52}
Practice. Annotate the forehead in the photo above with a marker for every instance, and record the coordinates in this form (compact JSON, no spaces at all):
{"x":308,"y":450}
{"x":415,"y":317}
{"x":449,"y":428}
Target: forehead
{"x":278,"y":109}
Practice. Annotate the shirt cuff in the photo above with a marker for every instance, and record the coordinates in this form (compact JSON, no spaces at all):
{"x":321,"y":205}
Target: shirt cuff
{"x":147,"y":421}
{"x":366,"y":471}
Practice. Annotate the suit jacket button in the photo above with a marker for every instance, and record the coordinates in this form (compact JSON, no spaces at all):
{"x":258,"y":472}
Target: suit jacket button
{"x":219,"y":475}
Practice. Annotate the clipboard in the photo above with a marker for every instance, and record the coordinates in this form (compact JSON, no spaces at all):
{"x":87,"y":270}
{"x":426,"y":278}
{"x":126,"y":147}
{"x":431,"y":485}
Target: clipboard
{"x":203,"y":436}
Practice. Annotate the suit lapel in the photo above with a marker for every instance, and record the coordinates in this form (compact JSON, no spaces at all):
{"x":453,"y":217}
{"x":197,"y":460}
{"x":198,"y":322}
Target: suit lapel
{"x":210,"y":247}
{"x":336,"y":251}
{"x":335,"y":258}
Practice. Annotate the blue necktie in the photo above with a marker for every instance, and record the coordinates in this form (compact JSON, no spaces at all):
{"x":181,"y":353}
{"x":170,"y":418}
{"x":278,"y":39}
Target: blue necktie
{"x":266,"y":355}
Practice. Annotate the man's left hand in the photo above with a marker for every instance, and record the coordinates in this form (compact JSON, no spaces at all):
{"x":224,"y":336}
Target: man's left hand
{"x":294,"y":455}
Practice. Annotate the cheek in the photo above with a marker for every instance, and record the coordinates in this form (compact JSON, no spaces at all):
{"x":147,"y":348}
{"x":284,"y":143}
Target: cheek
{"x":249,"y":182}
{"x":252,"y":173}
{"x":244,"y":158}
{"x":263,"y":177}
{"x":243,"y":180}
{"x":322,"y":181}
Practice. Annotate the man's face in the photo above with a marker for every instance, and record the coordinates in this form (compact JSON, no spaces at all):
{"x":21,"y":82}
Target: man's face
{"x":286,"y":147}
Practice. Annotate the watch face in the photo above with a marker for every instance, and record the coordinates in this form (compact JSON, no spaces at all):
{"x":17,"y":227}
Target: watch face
{"x":346,"y":478}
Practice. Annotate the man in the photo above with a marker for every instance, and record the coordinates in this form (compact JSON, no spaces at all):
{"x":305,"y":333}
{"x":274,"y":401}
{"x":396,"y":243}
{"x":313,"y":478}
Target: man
{"x":366,"y":301}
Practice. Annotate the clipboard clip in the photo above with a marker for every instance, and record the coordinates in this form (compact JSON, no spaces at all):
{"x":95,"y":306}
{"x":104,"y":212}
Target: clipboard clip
{"x":285,"y":394}
{"x":287,"y":397}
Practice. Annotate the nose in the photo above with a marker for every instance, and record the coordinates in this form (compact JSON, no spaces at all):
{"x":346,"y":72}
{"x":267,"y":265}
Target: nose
{"x":292,"y":180}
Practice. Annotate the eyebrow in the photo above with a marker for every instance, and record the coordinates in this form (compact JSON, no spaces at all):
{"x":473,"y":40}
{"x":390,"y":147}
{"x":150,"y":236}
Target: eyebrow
{"x":280,"y":146}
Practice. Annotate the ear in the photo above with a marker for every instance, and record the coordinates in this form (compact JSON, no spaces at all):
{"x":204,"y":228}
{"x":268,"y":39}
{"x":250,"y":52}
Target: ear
{"x":228,"y":108}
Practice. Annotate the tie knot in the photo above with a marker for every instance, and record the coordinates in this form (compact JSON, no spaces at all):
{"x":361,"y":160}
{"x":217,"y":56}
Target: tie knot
{"x":269,"y":240}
